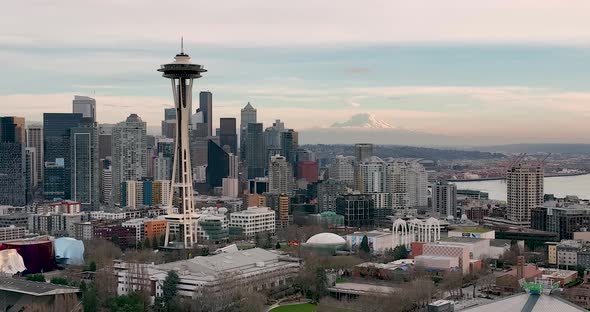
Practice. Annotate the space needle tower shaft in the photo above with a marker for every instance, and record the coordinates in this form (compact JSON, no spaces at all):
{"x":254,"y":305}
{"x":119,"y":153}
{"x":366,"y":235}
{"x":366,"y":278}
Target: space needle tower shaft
{"x":181,"y":73}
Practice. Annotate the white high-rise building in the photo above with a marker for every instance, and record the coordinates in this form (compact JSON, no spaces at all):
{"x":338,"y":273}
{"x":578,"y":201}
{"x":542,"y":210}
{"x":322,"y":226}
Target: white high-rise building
{"x":417,"y":185}
{"x":396,"y":184}
{"x":280,"y":175}
{"x":162,"y":167}
{"x":84,"y":105}
{"x":342,"y":169}
{"x":444,"y":199}
{"x":129,"y":153}
{"x":372,"y":175}
{"x":525,"y":191}
{"x":35,"y":140}
{"x":230,"y":187}
{"x":107,"y":184}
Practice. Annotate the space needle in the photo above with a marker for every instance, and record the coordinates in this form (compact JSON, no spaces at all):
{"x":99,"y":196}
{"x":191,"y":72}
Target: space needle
{"x":181,"y":73}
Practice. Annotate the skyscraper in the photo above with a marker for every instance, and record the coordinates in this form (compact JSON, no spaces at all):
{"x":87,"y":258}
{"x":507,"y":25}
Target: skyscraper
{"x":228,"y":135}
{"x":84,"y":105}
{"x":280,"y":175}
{"x":35,"y":140}
{"x":129,"y":160}
{"x":342,"y":169}
{"x":417,"y":185}
{"x":105,"y":136}
{"x":525,"y":191}
{"x":13,"y":189}
{"x":218,"y":165}
{"x":328,"y":191}
{"x":56,"y":154}
{"x":84,"y":165}
{"x":363,"y":151}
{"x":31,"y":169}
{"x":289,"y":146}
{"x":308,"y":170}
{"x":255,"y":156}
{"x":444,"y":199}
{"x":247,"y":116}
{"x":169,"y":123}
{"x":206,"y":109}
{"x":182,"y":72}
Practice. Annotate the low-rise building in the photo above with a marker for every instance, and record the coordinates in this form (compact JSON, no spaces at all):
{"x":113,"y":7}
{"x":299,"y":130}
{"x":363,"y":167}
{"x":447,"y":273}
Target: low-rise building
{"x":561,"y":217}
{"x":137,"y":225}
{"x":472,"y":232}
{"x":253,"y":269}
{"x":55,"y":224}
{"x":23,"y":295}
{"x":379,"y":241}
{"x":254,"y":220}
{"x":154,"y":228}
{"x":84,"y":231}
{"x":12,"y":232}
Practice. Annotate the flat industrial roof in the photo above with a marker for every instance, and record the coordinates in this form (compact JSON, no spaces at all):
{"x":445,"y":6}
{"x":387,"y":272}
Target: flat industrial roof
{"x":528,"y":303}
{"x":34,"y":288}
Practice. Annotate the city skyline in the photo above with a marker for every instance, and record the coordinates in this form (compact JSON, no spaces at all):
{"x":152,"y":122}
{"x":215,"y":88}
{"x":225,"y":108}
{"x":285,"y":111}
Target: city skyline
{"x":494,"y":80}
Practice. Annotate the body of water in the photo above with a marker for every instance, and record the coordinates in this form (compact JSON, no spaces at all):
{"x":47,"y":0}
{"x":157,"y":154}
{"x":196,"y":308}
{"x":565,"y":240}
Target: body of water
{"x":558,"y":186}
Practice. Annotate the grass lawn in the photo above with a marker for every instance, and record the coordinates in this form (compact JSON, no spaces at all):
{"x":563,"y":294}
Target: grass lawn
{"x":304,"y":307}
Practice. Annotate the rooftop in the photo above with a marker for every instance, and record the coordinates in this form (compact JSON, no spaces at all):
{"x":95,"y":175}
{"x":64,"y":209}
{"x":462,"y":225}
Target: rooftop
{"x":34,"y":288}
{"x":211,"y":265}
{"x":528,"y":303}
{"x":472,"y":230}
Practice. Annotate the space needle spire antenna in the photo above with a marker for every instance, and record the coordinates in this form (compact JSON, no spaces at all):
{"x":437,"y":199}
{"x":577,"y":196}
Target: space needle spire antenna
{"x":181,"y":226}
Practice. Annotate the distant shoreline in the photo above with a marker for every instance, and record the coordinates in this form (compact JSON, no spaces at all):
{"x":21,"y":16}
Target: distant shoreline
{"x":499,"y":178}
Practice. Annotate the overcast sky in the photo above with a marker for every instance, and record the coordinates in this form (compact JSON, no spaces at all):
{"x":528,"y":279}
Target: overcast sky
{"x":513,"y":69}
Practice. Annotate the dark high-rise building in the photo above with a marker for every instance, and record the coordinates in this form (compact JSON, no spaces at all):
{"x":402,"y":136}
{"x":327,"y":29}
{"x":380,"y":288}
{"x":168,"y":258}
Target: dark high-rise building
{"x":105,"y":136}
{"x":35,"y":140}
{"x":56,"y":143}
{"x":289,"y":146}
{"x":328,"y":191}
{"x":308,"y":170}
{"x":13,"y":189}
{"x":84,"y":165}
{"x":12,"y":130}
{"x":169,"y":123}
{"x":228,"y":135}
{"x":255,"y":155}
{"x":217,"y":165}
{"x":561,"y":217}
{"x":247,"y":116}
{"x":206,"y":109}
{"x":358,"y":209}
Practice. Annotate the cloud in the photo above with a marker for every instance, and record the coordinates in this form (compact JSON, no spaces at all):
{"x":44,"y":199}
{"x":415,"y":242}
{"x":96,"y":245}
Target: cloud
{"x":256,"y":22}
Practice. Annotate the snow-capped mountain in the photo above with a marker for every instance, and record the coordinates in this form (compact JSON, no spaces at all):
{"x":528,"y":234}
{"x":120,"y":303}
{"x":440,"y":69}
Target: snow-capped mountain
{"x":363,"y":120}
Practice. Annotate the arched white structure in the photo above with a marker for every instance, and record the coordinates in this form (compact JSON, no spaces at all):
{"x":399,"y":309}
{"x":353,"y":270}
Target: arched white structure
{"x":401,"y":233}
{"x":425,"y":230}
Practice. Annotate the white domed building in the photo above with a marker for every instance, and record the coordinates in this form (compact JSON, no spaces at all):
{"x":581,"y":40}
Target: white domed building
{"x":326,"y":243}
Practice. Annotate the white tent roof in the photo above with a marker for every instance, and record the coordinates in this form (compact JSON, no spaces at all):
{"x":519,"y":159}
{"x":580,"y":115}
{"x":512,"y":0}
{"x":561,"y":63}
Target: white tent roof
{"x":11,"y":262}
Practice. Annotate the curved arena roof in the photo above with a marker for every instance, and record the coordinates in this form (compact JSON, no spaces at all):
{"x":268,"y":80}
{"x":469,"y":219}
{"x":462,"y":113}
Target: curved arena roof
{"x":326,"y":239}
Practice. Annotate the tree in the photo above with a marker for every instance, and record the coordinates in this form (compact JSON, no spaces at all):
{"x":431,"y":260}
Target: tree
{"x":321,"y":284}
{"x":146,"y":243}
{"x":169,"y":290}
{"x":89,"y":299}
{"x":364,"y":247}
{"x":36,"y":277}
{"x":116,"y":240}
{"x":162,"y":240}
{"x":91,"y":267}
{"x":60,"y":281}
{"x":400,"y":252}
{"x":581,"y":270}
{"x":278,"y":245}
{"x":127,"y":303}
{"x":154,"y":242}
